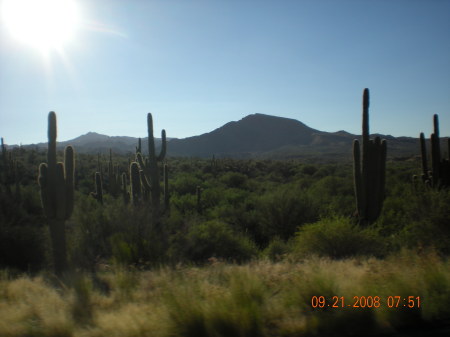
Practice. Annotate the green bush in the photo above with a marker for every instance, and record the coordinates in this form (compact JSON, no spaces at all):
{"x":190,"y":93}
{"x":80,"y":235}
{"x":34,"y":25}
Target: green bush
{"x":23,"y":236}
{"x":284,"y":210}
{"x":217,"y":239}
{"x":234,"y":179}
{"x":277,"y":249}
{"x":184,"y":183}
{"x":337,"y":238}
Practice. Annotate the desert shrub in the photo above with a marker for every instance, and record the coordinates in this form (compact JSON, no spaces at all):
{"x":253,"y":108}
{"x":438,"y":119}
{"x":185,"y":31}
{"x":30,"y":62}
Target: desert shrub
{"x":88,"y":232}
{"x":211,"y":196}
{"x":185,"y":183}
{"x":233,"y":179}
{"x":146,"y":238}
{"x":436,"y":285}
{"x":284,"y":210}
{"x":334,"y":195}
{"x":418,"y":217}
{"x":337,"y":238}
{"x":217,"y":239}
{"x":235,"y":196}
{"x":277,"y":249}
{"x":308,"y":169}
{"x":429,"y":224}
{"x":23,"y":236}
{"x":185,"y":204}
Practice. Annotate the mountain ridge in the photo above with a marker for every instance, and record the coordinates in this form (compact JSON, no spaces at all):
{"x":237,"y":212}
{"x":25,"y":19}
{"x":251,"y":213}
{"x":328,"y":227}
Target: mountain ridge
{"x":255,"y":135}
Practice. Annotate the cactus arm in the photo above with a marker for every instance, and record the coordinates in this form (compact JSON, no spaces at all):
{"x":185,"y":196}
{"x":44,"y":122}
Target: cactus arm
{"x":166,"y":188}
{"x":383,"y":170}
{"x":135,"y":183}
{"x":139,"y":147}
{"x":69,"y":165}
{"x":357,"y":177}
{"x":162,"y":154}
{"x":151,"y":140}
{"x":43,"y":183}
{"x":365,"y":121}
{"x":435,"y":158}
{"x":125,"y":193}
{"x":436,"y":125}
{"x":60,"y":193}
{"x":144,"y":181}
{"x":140,"y":161}
{"x":423,"y":152}
{"x":98,"y":195}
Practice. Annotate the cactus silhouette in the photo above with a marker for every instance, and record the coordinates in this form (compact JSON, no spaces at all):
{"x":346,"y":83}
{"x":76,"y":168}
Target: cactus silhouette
{"x":440,"y":167}
{"x":135,"y":183}
{"x":369,"y":173}
{"x":149,"y":166}
{"x":56,"y":181}
{"x":139,"y":147}
{"x":124,"y":189}
{"x":98,"y":194}
{"x":166,"y":189}
{"x":113,"y":177}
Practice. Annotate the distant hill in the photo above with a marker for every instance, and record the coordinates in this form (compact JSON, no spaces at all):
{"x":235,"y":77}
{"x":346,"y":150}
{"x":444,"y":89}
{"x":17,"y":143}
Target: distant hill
{"x":260,"y":135}
{"x":93,"y":142}
{"x":254,"y":136}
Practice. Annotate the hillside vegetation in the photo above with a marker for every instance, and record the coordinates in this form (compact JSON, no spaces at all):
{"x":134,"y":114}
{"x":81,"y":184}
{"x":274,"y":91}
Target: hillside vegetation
{"x":290,"y":227}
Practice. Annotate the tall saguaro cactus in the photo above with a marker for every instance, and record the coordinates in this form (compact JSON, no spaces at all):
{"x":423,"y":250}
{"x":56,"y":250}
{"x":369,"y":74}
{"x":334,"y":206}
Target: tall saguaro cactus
{"x":150,"y":165}
{"x":135,"y":184}
{"x":440,"y":167}
{"x":166,"y":189}
{"x":369,"y":174}
{"x":56,"y":180}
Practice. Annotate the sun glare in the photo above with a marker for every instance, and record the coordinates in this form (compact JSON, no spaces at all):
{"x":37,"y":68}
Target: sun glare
{"x":43,"y":24}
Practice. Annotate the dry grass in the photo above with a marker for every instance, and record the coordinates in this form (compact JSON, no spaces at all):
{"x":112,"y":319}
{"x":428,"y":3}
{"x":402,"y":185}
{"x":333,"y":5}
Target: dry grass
{"x":257,"y":299}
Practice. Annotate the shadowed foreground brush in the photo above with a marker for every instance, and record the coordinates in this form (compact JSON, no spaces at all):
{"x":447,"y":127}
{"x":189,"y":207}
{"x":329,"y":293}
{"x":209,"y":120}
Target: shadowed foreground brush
{"x":257,"y":299}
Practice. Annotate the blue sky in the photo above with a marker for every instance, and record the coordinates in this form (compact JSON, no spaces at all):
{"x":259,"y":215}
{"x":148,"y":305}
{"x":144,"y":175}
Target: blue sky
{"x":199,"y":64}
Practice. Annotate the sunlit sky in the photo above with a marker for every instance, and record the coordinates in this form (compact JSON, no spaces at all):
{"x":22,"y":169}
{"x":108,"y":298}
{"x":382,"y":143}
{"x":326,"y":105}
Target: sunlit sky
{"x":197,"y":65}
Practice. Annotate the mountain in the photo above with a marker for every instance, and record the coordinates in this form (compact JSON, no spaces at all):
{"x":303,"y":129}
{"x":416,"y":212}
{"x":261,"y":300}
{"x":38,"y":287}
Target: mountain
{"x":93,"y":143}
{"x":260,"y":135}
{"x":254,"y":136}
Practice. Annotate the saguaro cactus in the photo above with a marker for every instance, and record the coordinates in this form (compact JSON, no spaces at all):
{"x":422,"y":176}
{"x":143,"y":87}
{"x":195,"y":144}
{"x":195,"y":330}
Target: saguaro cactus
{"x":98,"y":194}
{"x":369,"y":175}
{"x":440,"y":167}
{"x":57,"y":194}
{"x":113,"y":177}
{"x":135,"y":184}
{"x":166,"y":189}
{"x":150,"y":165}
{"x":139,"y":147}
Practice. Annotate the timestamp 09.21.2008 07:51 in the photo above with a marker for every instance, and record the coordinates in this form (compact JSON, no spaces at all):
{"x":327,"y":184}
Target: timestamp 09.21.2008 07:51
{"x":366,"y":302}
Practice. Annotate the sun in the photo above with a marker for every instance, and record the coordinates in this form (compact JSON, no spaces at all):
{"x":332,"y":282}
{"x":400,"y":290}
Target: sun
{"x":42,"y":24}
